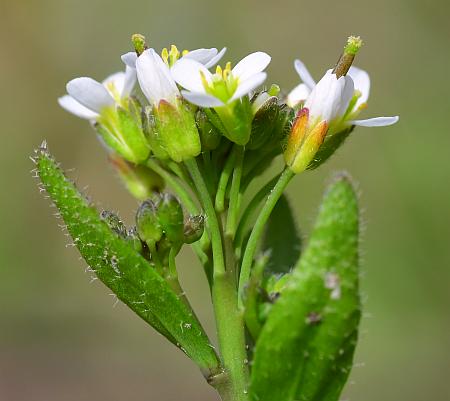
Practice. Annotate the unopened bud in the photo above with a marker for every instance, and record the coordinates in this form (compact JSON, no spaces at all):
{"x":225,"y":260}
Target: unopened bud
{"x":264,"y":122}
{"x":170,"y":217}
{"x":147,"y":223}
{"x":193,"y":228}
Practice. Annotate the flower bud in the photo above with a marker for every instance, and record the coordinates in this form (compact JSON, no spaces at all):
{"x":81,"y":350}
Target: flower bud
{"x":193,"y":228}
{"x":263,"y":122}
{"x":147,"y":223}
{"x":140,"y":181}
{"x":170,"y":217}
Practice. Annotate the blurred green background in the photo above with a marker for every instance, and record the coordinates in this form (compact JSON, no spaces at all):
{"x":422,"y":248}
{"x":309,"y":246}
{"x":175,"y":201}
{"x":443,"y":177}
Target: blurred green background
{"x":60,"y":337}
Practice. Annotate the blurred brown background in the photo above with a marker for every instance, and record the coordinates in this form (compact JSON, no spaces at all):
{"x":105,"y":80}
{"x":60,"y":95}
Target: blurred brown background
{"x":61,"y":339}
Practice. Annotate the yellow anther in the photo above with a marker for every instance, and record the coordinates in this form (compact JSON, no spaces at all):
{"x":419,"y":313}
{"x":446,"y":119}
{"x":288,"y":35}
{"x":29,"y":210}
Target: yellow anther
{"x":184,"y":52}
{"x":227,"y":71}
{"x":219,"y":70}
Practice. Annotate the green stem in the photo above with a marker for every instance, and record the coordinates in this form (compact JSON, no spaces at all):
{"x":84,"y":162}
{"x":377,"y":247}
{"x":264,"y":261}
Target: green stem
{"x":233,"y":210}
{"x":230,"y":324}
{"x":248,"y":213}
{"x":223,"y":181}
{"x":258,"y":229}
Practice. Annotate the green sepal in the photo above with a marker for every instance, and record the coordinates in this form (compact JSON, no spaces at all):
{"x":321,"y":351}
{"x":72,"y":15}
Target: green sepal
{"x":237,"y":120}
{"x":122,"y":131}
{"x":117,"y":264}
{"x":176,"y":126}
{"x":155,"y":140}
{"x":305,"y":349}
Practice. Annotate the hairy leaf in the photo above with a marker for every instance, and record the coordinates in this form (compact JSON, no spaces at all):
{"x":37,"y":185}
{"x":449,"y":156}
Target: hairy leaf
{"x":305,"y":349}
{"x":123,"y":270}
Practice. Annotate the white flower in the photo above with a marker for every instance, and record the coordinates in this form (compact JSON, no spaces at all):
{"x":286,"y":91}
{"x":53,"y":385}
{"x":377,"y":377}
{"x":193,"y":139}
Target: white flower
{"x":155,"y":79}
{"x":207,"y":57}
{"x":87,"y":98}
{"x":337,"y":100}
{"x":225,"y":86}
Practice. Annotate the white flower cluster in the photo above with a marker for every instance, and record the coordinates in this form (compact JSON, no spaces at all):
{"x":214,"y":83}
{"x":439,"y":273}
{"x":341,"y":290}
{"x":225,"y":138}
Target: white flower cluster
{"x":329,"y":99}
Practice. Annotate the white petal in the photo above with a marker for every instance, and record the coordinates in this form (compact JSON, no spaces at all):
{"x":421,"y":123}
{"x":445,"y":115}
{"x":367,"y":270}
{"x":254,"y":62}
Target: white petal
{"x":304,"y":74}
{"x":89,"y":93}
{"x":361,"y":80}
{"x":154,"y":78}
{"x":347,"y":93}
{"x":245,"y":87}
{"x":129,"y":59}
{"x":129,"y":81}
{"x":259,"y":101}
{"x":216,"y":58}
{"x":375,"y":122}
{"x":202,"y":99}
{"x":299,"y":94}
{"x":201,"y":55}
{"x":72,"y":106}
{"x":186,"y":73}
{"x":250,"y":65}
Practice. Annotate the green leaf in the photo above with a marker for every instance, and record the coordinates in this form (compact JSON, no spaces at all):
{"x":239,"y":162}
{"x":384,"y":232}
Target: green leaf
{"x":305,"y":348}
{"x":281,"y":238}
{"x":123,"y":270}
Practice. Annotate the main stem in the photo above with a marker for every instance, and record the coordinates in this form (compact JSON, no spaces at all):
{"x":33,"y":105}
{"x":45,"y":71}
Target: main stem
{"x":229,"y":319}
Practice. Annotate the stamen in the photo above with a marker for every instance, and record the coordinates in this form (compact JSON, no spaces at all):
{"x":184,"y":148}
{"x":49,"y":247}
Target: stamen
{"x":184,"y":52}
{"x":204,"y":80}
{"x":344,"y":63}
{"x":165,"y":55}
{"x":174,"y":54}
